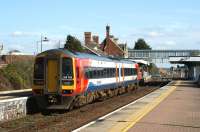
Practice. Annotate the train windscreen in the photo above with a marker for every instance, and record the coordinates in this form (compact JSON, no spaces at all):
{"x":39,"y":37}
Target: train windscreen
{"x":67,"y":68}
{"x":39,"y":68}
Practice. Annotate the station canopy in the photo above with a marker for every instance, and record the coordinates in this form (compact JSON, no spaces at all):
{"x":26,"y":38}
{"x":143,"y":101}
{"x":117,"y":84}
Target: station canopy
{"x":184,"y":60}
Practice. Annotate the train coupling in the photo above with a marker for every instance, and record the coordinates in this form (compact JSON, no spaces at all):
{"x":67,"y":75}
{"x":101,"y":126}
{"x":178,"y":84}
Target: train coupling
{"x":53,"y":99}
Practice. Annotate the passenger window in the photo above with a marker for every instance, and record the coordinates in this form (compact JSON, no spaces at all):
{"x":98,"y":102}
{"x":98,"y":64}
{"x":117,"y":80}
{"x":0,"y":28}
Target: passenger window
{"x":39,"y":68}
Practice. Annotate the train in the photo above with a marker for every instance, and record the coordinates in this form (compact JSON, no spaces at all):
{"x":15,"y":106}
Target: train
{"x":65,"y":79}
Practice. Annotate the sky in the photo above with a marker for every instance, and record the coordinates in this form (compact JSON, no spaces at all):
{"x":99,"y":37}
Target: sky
{"x":163,"y":24}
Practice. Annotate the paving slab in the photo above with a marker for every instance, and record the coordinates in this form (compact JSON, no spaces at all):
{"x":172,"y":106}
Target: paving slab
{"x":179,"y":112}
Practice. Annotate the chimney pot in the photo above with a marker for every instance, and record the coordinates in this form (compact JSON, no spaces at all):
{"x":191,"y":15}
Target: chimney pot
{"x":107,"y":31}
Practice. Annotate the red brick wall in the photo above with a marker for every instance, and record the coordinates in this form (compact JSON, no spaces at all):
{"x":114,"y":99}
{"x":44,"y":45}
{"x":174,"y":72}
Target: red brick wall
{"x":113,"y":49}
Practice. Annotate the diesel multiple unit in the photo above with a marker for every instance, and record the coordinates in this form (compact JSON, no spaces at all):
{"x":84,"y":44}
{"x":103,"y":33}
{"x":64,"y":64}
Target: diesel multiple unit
{"x":66,"y":79}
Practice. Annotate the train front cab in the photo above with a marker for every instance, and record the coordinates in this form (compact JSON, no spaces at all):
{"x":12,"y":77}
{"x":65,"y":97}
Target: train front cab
{"x":54,"y":80}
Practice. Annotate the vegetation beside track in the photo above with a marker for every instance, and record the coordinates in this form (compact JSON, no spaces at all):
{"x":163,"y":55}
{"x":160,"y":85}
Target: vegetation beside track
{"x":17,"y":75}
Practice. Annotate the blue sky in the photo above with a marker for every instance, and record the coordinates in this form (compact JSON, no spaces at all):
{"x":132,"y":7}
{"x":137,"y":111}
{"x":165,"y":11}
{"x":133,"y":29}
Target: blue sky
{"x":164,"y":24}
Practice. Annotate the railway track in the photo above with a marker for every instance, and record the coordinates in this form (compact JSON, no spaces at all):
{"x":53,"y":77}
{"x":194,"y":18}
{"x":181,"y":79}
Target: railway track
{"x":67,"y":121}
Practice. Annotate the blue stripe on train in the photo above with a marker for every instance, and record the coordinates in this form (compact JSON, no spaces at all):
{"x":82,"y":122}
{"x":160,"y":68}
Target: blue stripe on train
{"x":92,"y":87}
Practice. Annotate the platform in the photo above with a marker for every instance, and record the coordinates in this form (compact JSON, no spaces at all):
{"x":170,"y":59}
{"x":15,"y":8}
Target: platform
{"x":13,"y":104}
{"x":179,"y":112}
{"x":172,"y":108}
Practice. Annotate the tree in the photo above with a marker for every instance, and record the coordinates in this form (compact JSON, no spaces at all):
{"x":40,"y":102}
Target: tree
{"x":141,"y":44}
{"x":73,"y":44}
{"x":153,"y":69}
{"x":195,"y":53}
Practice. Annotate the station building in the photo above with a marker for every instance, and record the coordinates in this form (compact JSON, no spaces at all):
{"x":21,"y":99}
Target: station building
{"x":191,"y":63}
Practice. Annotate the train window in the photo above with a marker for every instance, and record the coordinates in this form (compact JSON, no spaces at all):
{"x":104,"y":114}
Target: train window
{"x":88,"y":72}
{"x":98,"y":73}
{"x":114,"y":72}
{"x":39,"y":68}
{"x":67,"y":68}
{"x":133,"y":71}
{"x":101,"y":72}
{"x":92,"y":73}
{"x":128,"y":71}
{"x":104,"y":73}
{"x":110,"y":72}
{"x":107,"y":72}
{"x":95,"y":74}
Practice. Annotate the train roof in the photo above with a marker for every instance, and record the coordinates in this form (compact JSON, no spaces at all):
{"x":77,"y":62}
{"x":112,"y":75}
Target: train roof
{"x":85,"y":55}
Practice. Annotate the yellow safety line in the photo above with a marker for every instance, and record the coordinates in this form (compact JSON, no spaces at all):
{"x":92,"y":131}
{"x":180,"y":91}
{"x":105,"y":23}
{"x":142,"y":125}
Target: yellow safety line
{"x":142,"y":112}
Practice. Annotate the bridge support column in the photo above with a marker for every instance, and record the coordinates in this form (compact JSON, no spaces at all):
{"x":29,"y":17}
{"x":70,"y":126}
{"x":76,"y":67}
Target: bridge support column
{"x":194,"y":72}
{"x":190,"y":72}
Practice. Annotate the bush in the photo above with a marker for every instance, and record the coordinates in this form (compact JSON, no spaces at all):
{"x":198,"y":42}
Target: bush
{"x":19,"y":74}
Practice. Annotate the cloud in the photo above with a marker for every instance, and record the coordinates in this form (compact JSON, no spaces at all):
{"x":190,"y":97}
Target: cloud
{"x":155,"y":34}
{"x":24,"y":34}
{"x":174,"y":35}
{"x":17,"y":33}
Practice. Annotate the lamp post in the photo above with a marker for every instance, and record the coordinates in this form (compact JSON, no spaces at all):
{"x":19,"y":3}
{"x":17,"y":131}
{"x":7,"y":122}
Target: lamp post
{"x":43,"y":39}
{"x":37,"y":42}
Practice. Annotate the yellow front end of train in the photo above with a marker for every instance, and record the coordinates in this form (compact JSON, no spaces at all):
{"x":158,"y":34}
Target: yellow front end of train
{"x":54,"y":77}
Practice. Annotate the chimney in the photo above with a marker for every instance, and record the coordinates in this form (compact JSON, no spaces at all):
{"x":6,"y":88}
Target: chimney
{"x":95,"y":39}
{"x":107,"y":31}
{"x":87,"y":37}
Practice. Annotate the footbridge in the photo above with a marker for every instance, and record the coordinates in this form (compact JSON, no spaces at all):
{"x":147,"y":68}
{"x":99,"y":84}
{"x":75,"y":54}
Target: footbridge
{"x":160,"y":56}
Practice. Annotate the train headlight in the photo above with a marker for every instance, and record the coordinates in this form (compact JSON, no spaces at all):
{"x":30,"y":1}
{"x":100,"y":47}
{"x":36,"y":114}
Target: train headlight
{"x":67,"y":91}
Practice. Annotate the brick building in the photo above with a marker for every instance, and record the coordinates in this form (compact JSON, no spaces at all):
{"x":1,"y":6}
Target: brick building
{"x":110,"y":45}
{"x":92,"y":44}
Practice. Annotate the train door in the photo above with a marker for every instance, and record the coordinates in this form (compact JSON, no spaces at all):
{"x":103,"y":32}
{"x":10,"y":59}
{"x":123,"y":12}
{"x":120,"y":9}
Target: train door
{"x":122,"y":72}
{"x":52,"y":75}
{"x":119,"y":72}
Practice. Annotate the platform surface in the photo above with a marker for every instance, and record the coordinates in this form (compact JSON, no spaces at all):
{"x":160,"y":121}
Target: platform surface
{"x":179,"y":112}
{"x":174,"y":107}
